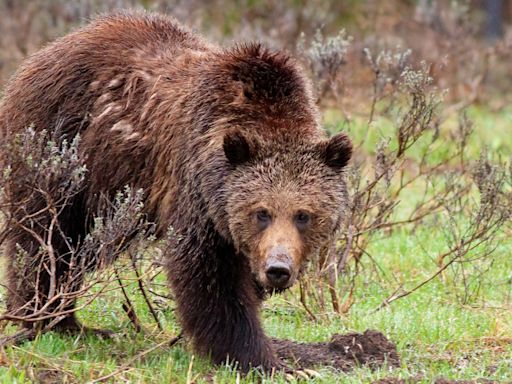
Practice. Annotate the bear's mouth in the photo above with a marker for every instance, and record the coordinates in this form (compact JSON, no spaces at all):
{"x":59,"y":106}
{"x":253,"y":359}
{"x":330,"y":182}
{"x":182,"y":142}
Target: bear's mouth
{"x":264,"y":292}
{"x":272,"y":291}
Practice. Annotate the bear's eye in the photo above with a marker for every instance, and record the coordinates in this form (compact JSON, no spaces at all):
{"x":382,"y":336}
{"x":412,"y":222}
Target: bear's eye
{"x":302,"y":220}
{"x":264,"y":218}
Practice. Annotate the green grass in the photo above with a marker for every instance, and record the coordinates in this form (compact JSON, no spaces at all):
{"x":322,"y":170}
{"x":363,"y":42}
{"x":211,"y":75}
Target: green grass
{"x":435,"y":334}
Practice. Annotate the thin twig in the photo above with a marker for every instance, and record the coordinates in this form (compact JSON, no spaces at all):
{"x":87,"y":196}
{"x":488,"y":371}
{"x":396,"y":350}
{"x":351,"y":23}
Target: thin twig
{"x":128,"y":306}
{"x":130,"y":362}
{"x":143,"y":291}
{"x":304,"y":304}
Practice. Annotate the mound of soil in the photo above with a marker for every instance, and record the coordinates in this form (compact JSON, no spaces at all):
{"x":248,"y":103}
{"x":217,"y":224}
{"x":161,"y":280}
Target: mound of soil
{"x":343,"y":352}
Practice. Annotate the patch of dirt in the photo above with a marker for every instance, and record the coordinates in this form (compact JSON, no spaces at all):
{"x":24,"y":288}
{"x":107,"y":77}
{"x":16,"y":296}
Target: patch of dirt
{"x":343,"y":352}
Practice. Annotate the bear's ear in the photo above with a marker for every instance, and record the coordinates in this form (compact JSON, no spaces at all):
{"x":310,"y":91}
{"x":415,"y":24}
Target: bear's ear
{"x":337,"y":151}
{"x":237,"y":148}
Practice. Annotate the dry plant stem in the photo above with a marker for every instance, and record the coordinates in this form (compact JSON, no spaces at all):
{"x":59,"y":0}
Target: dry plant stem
{"x":128,"y":306}
{"x":48,"y":362}
{"x":130,"y":312}
{"x":42,"y":314}
{"x":126,"y":366}
{"x":332,"y":276}
{"x":18,"y":338}
{"x":344,"y":257}
{"x":304,"y":304}
{"x":143,"y":291}
{"x":166,"y":297}
{"x":26,"y":334}
{"x":395,"y":296}
{"x":374,"y":97}
{"x":347,"y":304}
{"x":460,"y":250}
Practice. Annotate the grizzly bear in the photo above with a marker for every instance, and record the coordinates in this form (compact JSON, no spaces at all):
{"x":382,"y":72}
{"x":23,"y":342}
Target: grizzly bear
{"x":226,"y":144}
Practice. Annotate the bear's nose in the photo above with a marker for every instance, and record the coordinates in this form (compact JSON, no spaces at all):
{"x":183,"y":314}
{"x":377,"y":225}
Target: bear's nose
{"x":278,"y":274}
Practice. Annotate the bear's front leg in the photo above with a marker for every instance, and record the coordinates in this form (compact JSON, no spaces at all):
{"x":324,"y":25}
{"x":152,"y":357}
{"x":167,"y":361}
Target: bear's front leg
{"x":218,"y":304}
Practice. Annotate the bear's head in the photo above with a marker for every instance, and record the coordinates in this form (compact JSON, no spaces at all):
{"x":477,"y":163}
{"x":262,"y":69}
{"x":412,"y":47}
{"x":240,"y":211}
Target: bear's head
{"x":284,"y":202}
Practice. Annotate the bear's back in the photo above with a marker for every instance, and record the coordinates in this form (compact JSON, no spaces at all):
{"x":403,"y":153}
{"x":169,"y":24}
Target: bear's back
{"x":55,"y":85}
{"x":149,"y":34}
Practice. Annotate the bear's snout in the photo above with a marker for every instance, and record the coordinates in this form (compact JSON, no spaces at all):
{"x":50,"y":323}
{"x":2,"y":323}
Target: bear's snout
{"x":278,"y":274}
{"x":279,"y":268}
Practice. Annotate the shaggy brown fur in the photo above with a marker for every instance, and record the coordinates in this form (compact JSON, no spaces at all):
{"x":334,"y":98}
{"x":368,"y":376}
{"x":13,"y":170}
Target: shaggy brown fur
{"x":226,"y":144}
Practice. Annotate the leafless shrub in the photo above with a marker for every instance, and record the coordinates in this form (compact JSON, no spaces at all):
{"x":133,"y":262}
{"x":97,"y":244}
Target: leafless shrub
{"x":474,"y":240}
{"x":51,"y":173}
{"x":388,"y":67}
{"x":444,"y":185}
{"x":325,"y":57}
{"x":471,"y":229}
